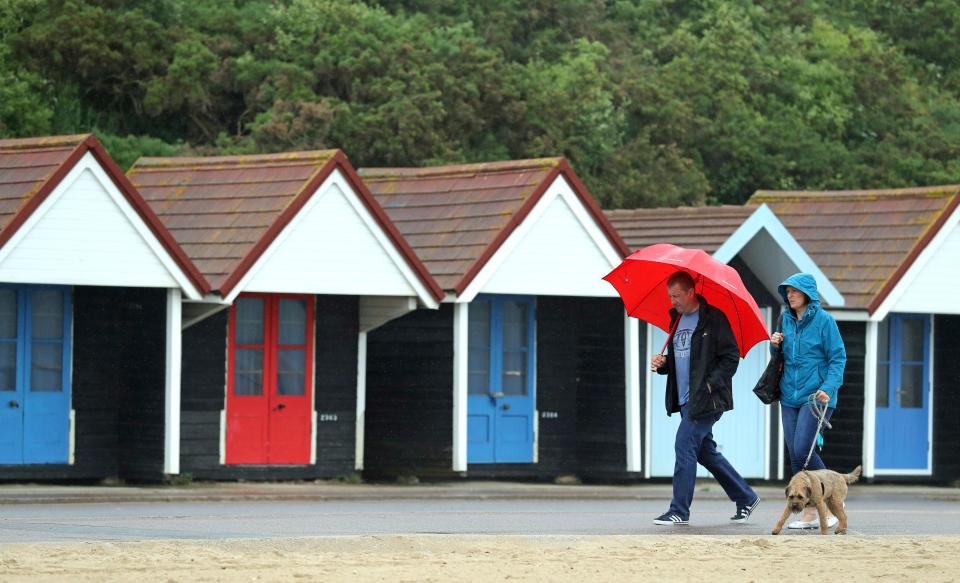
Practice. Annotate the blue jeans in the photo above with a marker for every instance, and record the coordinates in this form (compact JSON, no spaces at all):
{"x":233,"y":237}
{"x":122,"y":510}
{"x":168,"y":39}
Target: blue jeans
{"x":799,"y":431}
{"x":694,"y":445}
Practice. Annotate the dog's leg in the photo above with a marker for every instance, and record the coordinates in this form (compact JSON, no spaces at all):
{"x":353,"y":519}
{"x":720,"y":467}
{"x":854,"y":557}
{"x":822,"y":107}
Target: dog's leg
{"x":783,"y":518}
{"x":836,"y":506}
{"x":816,"y":499}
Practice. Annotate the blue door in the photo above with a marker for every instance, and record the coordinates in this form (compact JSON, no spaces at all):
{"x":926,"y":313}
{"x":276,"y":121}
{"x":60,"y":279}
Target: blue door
{"x":500,"y":407}
{"x":34,"y":374}
{"x":741,"y":434}
{"x":903,"y":393}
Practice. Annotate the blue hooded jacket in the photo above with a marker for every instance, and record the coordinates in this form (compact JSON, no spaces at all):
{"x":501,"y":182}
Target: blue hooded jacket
{"x":813,"y":351}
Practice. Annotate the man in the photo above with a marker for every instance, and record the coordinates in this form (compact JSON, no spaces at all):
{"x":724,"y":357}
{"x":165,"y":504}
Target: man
{"x":700,"y":363}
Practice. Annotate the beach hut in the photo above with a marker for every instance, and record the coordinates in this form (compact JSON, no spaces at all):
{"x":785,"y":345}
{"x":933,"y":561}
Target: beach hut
{"x":525,"y":370}
{"x":90,"y":294}
{"x":764,"y":252}
{"x":302,"y":263}
{"x":895,"y":256}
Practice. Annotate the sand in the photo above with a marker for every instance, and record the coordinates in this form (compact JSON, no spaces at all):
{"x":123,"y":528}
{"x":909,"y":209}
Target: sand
{"x":585,"y":559}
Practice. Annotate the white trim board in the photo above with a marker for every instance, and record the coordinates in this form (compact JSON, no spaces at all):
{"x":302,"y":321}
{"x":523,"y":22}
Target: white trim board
{"x":361,"y":401}
{"x":752,"y":240}
{"x":870,"y":406}
{"x":849,"y":315}
{"x":505,"y":272}
{"x":461,"y":318}
{"x":870,"y":398}
{"x":87,"y":233}
{"x":935,"y":269}
{"x":648,"y":403}
{"x":896,"y":472}
{"x":266,"y":275}
{"x":172,"y":368}
{"x":631,"y":346}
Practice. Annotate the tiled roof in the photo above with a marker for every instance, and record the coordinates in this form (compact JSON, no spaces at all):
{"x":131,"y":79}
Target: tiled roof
{"x":31,"y":168}
{"x":863,"y":240}
{"x":456,"y":216}
{"x":225,"y":211}
{"x":703,"y":227}
{"x":27,"y":165}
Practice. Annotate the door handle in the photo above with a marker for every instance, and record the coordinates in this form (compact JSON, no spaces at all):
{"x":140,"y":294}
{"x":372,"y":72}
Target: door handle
{"x":496,"y":395}
{"x":280,"y":407}
{"x":506,"y":406}
{"x":14,"y":404}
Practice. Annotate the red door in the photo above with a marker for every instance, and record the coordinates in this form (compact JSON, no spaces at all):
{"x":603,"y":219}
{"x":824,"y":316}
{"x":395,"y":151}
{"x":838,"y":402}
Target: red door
{"x":269,"y":379}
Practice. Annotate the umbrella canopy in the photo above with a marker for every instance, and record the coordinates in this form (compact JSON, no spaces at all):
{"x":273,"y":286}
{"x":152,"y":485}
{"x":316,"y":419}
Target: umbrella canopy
{"x":641,"y":282}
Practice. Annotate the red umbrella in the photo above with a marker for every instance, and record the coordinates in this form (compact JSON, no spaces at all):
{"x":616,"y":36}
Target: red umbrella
{"x":641,"y":282}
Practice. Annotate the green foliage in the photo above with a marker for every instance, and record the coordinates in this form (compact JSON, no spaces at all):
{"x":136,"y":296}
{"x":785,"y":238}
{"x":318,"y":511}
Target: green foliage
{"x":125,"y":150}
{"x":655,"y":102}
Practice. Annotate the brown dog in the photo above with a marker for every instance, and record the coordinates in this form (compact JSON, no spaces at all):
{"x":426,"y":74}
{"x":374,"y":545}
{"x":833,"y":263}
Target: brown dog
{"x":820,"y":489}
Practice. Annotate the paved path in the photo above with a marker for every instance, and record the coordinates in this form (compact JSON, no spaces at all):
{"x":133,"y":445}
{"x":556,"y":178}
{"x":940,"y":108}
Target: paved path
{"x":871,"y":514}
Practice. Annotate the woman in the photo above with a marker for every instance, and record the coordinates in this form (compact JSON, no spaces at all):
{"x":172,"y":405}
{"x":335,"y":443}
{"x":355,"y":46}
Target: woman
{"x":813,"y":361}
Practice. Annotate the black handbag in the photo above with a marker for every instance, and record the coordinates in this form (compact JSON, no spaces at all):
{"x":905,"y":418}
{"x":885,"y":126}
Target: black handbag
{"x":768,"y":387}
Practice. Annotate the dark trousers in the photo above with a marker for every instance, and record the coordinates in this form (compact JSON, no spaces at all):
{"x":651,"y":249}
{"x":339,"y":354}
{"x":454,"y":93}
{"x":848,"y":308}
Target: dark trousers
{"x":695,"y":445}
{"x":799,"y":431}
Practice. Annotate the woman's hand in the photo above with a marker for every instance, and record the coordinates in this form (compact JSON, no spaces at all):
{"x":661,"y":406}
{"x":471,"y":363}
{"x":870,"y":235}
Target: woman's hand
{"x":776,"y":339}
{"x":822,"y":397}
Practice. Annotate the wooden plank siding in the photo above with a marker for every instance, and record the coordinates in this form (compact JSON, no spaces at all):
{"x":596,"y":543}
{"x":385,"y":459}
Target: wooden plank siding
{"x":142,"y":366}
{"x":408,"y":427}
{"x":117,"y":388}
{"x":579,"y":400}
{"x":203,"y":392}
{"x":946,"y":405}
{"x":601,"y":388}
{"x":843,"y":445}
{"x":765,"y":299}
{"x":581,"y":393}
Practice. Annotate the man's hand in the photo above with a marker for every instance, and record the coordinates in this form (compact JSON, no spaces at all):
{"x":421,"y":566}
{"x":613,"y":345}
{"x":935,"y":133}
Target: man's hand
{"x":822,"y":397}
{"x":657,"y":361}
{"x":776,"y":339}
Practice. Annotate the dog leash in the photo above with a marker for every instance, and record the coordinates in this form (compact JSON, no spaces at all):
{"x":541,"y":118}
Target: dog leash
{"x":818,"y":410}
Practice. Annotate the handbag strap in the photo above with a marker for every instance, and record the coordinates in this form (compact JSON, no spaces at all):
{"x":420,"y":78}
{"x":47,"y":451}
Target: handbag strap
{"x":780,"y":329}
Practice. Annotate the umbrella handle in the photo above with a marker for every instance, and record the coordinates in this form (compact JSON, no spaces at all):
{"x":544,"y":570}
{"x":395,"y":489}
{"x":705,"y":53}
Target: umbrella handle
{"x":670,"y":335}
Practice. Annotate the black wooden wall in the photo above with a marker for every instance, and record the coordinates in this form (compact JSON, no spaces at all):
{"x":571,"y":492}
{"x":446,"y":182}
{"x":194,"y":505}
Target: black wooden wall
{"x":409,"y":415}
{"x":203,"y":396}
{"x":142,"y":368}
{"x":580,"y":394}
{"x":946,"y":404}
{"x":843,"y":445}
{"x":117,"y":388}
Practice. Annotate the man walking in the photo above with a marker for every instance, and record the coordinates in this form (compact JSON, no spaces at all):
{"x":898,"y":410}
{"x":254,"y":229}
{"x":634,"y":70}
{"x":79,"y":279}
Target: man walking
{"x":700,"y":362}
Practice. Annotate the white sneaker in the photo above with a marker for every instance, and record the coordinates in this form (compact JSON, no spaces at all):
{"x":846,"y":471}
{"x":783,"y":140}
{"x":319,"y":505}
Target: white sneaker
{"x":815,"y":523}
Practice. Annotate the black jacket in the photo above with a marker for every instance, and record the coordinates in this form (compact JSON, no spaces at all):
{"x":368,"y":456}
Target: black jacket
{"x":714,"y":358}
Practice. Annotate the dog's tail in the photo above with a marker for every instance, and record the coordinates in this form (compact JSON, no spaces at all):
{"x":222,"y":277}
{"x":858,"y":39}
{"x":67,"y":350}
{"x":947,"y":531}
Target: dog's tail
{"x":852,"y":476}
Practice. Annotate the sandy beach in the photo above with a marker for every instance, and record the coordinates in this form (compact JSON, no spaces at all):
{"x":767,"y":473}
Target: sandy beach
{"x":487,"y":558}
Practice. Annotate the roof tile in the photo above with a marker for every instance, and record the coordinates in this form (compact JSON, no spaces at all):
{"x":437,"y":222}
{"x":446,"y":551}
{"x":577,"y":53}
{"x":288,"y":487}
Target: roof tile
{"x":26,"y":165}
{"x":705,"y":227}
{"x":451,"y":215}
{"x":860,"y":239}
{"x":218,"y":208}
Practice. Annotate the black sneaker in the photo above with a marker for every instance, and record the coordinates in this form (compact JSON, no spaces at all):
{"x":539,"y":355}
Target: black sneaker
{"x":744,"y":513}
{"x":670,"y":519}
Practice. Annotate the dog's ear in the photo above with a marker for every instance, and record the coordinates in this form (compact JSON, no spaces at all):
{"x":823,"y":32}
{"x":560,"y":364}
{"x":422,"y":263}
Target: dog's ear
{"x":786,"y":491}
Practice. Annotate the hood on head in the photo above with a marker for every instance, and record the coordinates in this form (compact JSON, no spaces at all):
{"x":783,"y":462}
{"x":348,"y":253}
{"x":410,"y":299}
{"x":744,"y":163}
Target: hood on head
{"x":803,"y":282}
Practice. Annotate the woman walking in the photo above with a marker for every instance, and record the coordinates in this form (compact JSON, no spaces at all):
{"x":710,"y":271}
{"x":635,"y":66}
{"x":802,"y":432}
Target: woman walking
{"x":813,"y":362}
